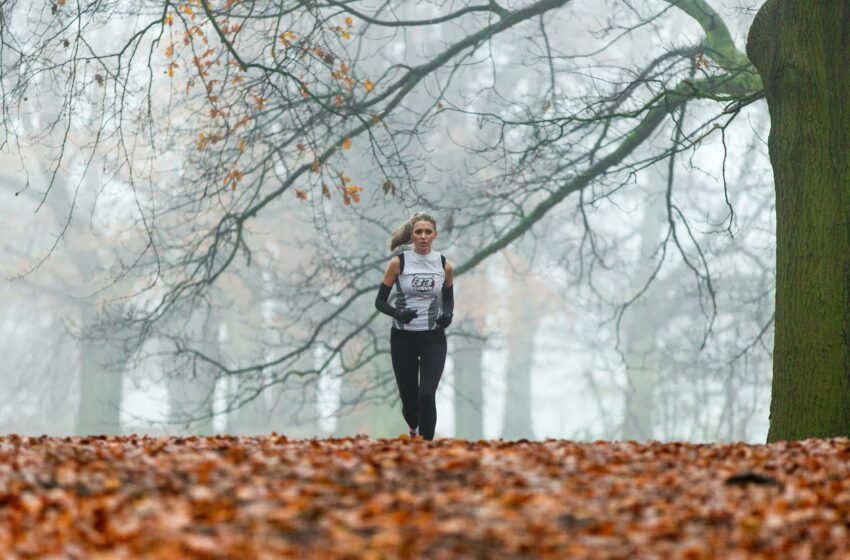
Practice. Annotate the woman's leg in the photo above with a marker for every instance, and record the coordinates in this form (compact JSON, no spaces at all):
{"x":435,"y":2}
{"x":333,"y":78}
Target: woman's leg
{"x":431,"y":363}
{"x":406,"y":368}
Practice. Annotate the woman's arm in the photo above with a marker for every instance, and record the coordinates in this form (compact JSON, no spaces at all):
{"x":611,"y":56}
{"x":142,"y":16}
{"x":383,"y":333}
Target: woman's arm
{"x":382,"y":299}
{"x":392,"y":272}
{"x":445,"y":318}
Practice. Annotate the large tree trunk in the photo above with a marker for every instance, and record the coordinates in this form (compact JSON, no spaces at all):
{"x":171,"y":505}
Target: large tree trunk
{"x":801,"y":50}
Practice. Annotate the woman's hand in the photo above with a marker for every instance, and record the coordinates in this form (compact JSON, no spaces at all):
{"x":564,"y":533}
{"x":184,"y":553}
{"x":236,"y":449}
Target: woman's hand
{"x":405,"y":315}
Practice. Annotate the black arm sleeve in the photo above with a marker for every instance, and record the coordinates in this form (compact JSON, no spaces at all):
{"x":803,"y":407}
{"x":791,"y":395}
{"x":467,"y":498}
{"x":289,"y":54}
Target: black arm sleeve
{"x":381,"y":301}
{"x":448,"y":300}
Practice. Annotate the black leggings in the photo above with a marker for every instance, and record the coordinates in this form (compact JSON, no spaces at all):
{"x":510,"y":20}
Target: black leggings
{"x":418,"y":360}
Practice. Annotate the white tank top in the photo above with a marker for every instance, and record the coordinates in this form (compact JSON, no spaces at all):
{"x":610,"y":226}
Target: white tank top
{"x":418,"y":287}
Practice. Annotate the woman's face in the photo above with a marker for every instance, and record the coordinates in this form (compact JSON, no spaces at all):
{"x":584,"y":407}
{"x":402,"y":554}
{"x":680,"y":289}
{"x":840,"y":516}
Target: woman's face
{"x":423,"y":235}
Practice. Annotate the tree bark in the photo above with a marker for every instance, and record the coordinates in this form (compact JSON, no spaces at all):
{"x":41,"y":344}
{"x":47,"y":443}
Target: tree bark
{"x":801,"y":50}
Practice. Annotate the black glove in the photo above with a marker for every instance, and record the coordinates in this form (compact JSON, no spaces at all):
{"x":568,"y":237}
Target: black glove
{"x":405,"y":315}
{"x":445,"y":319}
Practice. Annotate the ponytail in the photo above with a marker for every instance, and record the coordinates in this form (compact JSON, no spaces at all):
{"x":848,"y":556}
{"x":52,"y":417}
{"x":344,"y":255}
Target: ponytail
{"x":402,"y":234}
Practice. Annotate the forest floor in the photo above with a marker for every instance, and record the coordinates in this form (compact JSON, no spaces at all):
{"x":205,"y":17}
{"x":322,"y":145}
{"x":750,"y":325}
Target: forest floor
{"x":271,"y":497}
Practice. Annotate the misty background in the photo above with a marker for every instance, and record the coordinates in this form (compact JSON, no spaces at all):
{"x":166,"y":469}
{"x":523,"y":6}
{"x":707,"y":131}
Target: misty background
{"x":638,"y":308}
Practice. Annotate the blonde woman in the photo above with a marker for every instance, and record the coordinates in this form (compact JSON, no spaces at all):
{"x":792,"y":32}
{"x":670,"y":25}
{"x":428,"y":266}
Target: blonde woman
{"x":417,"y":337}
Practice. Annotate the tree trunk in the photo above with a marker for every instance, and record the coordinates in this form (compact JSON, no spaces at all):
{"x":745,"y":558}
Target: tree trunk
{"x":468,"y":382}
{"x":243,"y":346}
{"x":639,"y":329}
{"x":353,"y":416}
{"x":101,"y":382}
{"x":248,"y":336}
{"x":295,"y":411}
{"x":191,"y":394}
{"x":638,"y":421}
{"x":801,"y":50}
{"x":517,"y":423}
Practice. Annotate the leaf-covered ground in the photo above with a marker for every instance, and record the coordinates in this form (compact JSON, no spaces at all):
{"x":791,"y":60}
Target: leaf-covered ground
{"x":269,"y":497}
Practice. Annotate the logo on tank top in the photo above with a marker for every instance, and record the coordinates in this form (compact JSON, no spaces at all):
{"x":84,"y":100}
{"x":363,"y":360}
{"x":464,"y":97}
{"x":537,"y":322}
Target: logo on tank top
{"x":423,"y":283}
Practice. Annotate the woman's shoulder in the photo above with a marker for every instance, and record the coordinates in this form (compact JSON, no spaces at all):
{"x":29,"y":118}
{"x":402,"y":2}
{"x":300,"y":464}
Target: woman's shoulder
{"x":400,"y":251}
{"x":397,"y":259}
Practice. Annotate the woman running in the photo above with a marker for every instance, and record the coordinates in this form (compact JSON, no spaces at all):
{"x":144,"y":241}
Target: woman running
{"x":417,"y":337}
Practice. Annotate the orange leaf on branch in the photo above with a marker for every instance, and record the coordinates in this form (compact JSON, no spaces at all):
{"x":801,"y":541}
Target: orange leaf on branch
{"x":287,"y":38}
{"x":354,"y":192}
{"x":232,"y":178}
{"x":241,"y":122}
{"x":202,"y":141}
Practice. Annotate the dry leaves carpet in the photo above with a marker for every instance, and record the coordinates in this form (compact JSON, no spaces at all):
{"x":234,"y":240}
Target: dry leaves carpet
{"x":270,"y":497}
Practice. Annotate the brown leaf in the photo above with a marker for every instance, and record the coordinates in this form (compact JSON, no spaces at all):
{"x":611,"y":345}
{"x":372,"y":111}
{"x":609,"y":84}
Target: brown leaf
{"x":389,"y":187}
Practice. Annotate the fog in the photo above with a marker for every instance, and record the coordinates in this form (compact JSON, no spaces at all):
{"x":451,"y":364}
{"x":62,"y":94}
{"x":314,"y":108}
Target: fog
{"x":157,"y":281}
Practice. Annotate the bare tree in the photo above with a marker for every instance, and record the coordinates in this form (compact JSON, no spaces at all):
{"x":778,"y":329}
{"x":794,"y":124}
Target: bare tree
{"x":221,"y":120}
